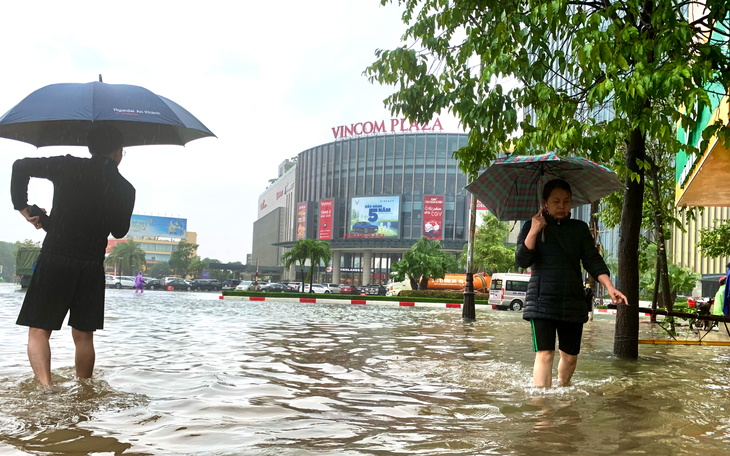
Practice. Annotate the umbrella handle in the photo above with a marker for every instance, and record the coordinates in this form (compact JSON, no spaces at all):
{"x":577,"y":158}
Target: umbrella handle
{"x":543,"y":234}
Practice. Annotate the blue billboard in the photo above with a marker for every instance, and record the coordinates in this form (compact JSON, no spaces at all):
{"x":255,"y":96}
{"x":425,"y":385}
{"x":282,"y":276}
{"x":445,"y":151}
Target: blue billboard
{"x":152,"y":226}
{"x":374,"y":217}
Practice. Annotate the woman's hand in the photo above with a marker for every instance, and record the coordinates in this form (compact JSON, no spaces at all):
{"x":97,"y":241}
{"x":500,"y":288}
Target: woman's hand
{"x":538,"y":223}
{"x":617,"y":296}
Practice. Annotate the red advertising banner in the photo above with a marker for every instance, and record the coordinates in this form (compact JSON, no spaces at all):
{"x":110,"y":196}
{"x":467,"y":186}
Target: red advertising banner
{"x":301,"y":220}
{"x":326,"y":218}
{"x":433,"y":217}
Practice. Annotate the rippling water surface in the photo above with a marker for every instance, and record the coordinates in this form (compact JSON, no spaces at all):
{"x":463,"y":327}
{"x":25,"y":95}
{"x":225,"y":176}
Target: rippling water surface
{"x":186,"y":373}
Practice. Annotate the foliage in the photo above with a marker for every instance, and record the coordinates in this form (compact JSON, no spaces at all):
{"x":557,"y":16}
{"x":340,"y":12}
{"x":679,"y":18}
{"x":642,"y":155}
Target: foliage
{"x":158,"y":270}
{"x":299,"y":253}
{"x":7,"y":261}
{"x":715,"y":243}
{"x":319,"y":252}
{"x":196,"y":267}
{"x":181,"y":258}
{"x":570,"y":59}
{"x":127,"y":257}
{"x":591,"y":77}
{"x":490,"y":252}
{"x":440,"y":294}
{"x":424,"y":260}
{"x":28,"y":243}
{"x":681,"y":280}
{"x":323,"y":297}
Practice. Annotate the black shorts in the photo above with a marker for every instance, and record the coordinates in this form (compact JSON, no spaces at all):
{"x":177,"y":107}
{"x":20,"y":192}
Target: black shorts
{"x":60,"y":284}
{"x":569,"y":334}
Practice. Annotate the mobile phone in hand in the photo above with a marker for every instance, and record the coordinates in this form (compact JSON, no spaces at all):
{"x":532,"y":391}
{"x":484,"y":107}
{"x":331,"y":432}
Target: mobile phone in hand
{"x":36,"y":211}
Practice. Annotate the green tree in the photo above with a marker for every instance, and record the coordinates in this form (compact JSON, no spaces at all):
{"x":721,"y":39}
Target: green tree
{"x":424,"y":260}
{"x":7,"y":261}
{"x":181,"y":258}
{"x":715,"y":242}
{"x":28,"y":243}
{"x":196,"y":267}
{"x":490,"y":252}
{"x":128,"y":257}
{"x":299,"y":253}
{"x":159,"y":270}
{"x":319,"y":253}
{"x":569,"y":60}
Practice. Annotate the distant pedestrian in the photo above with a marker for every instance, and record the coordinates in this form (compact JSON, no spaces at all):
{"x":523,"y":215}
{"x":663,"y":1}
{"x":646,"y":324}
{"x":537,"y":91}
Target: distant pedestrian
{"x":139,"y":283}
{"x":90,"y":201}
{"x":726,"y":298}
{"x":718,"y":307}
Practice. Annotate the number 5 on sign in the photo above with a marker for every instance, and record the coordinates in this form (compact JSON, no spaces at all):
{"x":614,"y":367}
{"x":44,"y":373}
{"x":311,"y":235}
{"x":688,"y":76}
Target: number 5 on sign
{"x":373,"y":215}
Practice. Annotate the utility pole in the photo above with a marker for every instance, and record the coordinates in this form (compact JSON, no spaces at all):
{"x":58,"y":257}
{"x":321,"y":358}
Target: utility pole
{"x":468,"y":311}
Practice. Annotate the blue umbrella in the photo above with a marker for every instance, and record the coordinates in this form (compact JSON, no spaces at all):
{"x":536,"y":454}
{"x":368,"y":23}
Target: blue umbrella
{"x":62,"y":114}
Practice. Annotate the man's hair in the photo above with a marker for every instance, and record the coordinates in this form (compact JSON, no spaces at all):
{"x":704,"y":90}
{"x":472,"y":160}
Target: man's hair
{"x":552,"y":185}
{"x":104,"y":139}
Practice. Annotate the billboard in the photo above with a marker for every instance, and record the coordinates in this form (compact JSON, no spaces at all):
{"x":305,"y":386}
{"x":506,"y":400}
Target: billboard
{"x":301,"y":220}
{"x":433,"y":217}
{"x":152,"y":226}
{"x":374,"y":217}
{"x":326,"y":219}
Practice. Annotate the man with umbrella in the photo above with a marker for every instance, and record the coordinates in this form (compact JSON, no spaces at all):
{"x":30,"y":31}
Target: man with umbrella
{"x":91,"y":200}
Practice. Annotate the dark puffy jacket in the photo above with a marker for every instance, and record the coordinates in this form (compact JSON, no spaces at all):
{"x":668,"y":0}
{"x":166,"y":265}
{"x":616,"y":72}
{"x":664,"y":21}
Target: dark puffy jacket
{"x":555,"y":290}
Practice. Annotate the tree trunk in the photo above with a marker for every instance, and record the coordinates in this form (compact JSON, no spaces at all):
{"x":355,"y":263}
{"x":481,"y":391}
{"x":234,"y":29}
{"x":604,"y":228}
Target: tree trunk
{"x":660,"y":241}
{"x":626,"y":339}
{"x":414,"y":283}
{"x":424,"y":283}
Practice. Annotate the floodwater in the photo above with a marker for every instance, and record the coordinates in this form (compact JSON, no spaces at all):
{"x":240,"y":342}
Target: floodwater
{"x":186,"y":373}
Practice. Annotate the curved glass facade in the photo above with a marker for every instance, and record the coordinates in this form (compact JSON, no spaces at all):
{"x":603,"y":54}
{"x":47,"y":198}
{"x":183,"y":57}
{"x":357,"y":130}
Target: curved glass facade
{"x":411,"y":165}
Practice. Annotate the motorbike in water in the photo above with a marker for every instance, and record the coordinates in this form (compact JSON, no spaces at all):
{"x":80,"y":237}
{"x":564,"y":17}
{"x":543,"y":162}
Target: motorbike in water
{"x":703,"y":307}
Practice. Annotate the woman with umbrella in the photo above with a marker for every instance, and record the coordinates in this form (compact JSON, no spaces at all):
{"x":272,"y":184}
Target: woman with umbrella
{"x":553,"y":245}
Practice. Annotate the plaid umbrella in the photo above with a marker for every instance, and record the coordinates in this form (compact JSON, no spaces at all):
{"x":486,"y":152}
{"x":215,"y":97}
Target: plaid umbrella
{"x":512,"y":187}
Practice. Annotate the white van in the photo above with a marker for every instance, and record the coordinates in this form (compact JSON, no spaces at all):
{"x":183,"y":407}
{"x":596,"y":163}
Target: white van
{"x":394,"y":288}
{"x":508,"y":291}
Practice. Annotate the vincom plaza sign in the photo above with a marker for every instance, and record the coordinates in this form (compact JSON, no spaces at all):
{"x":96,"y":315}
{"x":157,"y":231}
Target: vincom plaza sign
{"x":396,"y":126}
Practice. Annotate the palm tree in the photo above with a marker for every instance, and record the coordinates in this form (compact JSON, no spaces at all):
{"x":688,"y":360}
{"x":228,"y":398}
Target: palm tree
{"x":127,"y":254}
{"x":298,"y":253}
{"x":319,"y":252}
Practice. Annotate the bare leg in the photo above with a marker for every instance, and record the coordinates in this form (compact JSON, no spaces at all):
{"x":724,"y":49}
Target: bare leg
{"x":542,"y":373}
{"x":566,"y":367}
{"x":39,"y":354}
{"x":85,"y":354}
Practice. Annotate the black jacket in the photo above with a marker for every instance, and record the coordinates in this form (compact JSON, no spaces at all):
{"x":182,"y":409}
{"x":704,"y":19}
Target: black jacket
{"x":90,"y":200}
{"x":555,"y":290}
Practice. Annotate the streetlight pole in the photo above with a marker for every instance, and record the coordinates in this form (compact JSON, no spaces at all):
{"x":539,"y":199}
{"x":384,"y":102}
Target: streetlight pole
{"x":468,"y":311}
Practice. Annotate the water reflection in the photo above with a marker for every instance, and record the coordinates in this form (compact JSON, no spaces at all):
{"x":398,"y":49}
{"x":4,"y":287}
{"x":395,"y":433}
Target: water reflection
{"x":187,"y":373}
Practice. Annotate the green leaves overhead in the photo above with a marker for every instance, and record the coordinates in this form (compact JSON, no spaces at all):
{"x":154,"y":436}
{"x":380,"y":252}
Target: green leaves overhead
{"x":564,"y":62}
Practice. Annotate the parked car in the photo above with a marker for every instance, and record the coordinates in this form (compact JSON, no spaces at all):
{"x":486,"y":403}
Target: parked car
{"x":245,"y":285}
{"x":297,"y":286}
{"x":177,"y":284}
{"x":124,"y":282}
{"x":153,"y":284}
{"x":112,"y":281}
{"x":348,"y":289}
{"x":230,"y":284}
{"x":206,"y":285}
{"x":276,"y":288}
{"x":317,"y":288}
{"x":364,"y":227}
{"x":334,"y":287}
{"x":376,"y":289}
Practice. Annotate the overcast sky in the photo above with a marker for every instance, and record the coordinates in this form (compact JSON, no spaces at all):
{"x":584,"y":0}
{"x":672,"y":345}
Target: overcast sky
{"x":269,"y":79}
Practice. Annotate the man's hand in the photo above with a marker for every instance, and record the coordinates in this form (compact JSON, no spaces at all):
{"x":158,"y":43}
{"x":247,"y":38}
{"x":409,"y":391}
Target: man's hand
{"x":35,"y":221}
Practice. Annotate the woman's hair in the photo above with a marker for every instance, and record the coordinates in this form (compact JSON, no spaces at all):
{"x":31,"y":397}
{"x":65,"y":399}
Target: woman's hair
{"x":552,"y":185}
